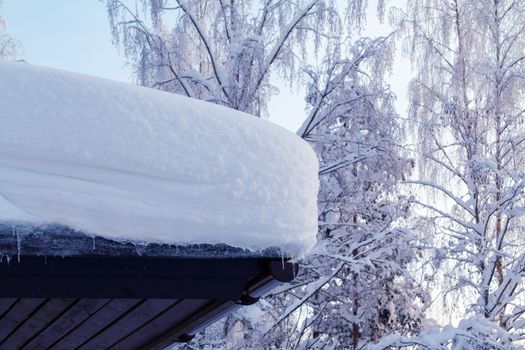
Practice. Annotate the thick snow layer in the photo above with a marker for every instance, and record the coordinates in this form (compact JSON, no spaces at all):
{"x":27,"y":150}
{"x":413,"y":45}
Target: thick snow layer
{"x":132,"y":163}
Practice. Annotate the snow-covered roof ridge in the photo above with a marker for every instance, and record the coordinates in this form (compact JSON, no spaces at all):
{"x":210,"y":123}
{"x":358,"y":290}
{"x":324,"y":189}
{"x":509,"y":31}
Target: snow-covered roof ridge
{"x":134,"y":163}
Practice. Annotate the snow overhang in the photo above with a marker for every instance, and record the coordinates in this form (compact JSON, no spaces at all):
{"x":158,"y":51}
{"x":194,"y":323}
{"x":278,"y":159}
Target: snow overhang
{"x":135,"y":164}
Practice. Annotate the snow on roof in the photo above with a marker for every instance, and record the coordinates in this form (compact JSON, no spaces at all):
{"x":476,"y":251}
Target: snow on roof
{"x":132,"y":163}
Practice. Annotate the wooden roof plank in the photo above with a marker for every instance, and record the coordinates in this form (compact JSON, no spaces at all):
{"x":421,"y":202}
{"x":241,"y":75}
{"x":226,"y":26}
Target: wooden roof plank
{"x":6,"y":304}
{"x":164,"y":322}
{"x":17,"y":315}
{"x":42,"y":317}
{"x":128,"y":323}
{"x":95,"y":323}
{"x":63,"y":325}
{"x":184,"y":331}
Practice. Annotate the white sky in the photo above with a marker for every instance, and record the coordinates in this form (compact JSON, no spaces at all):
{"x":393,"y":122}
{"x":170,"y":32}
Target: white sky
{"x":75,"y":36}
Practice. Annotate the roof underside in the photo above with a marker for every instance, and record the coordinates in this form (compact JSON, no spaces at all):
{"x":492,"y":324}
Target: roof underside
{"x":118,"y":299}
{"x":40,"y":323}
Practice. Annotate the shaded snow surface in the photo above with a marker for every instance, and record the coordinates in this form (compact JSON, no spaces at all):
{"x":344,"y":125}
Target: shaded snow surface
{"x":132,"y":163}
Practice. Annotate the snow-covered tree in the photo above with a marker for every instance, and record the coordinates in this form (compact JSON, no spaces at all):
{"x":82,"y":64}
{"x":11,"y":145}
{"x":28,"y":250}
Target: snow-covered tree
{"x":8,"y":45}
{"x":355,"y":130}
{"x":221,"y":51}
{"x":467,"y":103}
{"x":356,"y":287}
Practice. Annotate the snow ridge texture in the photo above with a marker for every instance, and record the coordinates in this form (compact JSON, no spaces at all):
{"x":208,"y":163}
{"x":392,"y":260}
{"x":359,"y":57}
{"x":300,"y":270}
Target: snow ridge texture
{"x":137,"y":164}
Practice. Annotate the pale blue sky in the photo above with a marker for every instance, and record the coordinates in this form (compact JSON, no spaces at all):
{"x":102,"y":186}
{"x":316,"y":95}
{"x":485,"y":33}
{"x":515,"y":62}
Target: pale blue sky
{"x":75,"y":36}
{"x":65,"y":34}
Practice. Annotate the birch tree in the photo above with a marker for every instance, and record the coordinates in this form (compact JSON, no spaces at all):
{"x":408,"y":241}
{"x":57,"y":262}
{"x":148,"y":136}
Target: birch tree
{"x":467,"y":101}
{"x":356,"y":287}
{"x":220,"y":51}
{"x":368,"y":291}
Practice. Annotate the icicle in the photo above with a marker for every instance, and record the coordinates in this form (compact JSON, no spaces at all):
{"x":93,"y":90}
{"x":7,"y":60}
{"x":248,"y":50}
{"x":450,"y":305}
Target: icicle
{"x":94,"y":244}
{"x":18,"y":244}
{"x":138,"y":248}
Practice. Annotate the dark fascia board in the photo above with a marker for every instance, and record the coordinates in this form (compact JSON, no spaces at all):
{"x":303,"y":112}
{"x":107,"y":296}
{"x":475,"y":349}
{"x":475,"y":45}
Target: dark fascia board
{"x":235,"y":279}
